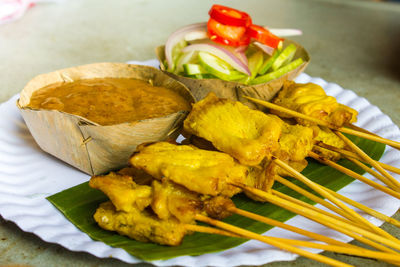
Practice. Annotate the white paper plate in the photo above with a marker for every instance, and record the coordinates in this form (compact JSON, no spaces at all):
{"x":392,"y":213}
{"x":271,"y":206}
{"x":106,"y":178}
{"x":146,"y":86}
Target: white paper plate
{"x":28,"y":175}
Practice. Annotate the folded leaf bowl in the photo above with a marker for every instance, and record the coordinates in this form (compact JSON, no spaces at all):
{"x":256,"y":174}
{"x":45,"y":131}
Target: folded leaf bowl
{"x":86,"y":145}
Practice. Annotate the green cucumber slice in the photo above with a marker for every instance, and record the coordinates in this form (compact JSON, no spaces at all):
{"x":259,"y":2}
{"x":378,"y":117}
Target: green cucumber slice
{"x":237,"y":76}
{"x":218,"y":67}
{"x":176,"y":53}
{"x":268,"y":63}
{"x":285,"y":57}
{"x":245,"y":80}
{"x":185,"y":58}
{"x":278,"y":73}
{"x":202,"y":76}
{"x":255,"y":62}
{"x":193,"y":69}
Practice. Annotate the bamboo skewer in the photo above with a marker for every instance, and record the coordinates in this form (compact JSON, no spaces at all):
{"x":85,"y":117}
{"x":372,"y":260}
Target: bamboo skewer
{"x":291,"y":228}
{"x":272,"y":222}
{"x":316,"y":199}
{"x":393,"y":183}
{"x":332,"y":244}
{"x":270,"y":241}
{"x":320,"y":190}
{"x":367,"y":169}
{"x":366,"y":209}
{"x":356,"y":128}
{"x":325,"y":123}
{"x":355,"y":232}
{"x":319,"y":200}
{"x":389,"y":167}
{"x":209,"y":230}
{"x":366,"y":253}
{"x":328,"y":205}
{"x":304,"y":204}
{"x":341,"y":247}
{"x":356,"y":175}
{"x":349,"y":154}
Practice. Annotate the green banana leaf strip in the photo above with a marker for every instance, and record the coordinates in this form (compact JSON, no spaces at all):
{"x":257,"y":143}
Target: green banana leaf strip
{"x":79,"y":203}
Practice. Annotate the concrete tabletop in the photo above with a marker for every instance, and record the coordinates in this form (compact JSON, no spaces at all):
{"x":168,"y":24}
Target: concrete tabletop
{"x":355,"y":44}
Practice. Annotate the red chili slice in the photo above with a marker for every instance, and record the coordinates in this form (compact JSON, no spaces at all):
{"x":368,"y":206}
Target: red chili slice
{"x":229,"y":16}
{"x":227,"y":35}
{"x":263,"y":35}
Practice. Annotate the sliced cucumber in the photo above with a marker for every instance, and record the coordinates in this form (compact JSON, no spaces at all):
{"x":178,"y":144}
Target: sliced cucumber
{"x":218,"y":67}
{"x":255,"y":62}
{"x":193,"y":69}
{"x":285,"y":57}
{"x":268,"y":63}
{"x":185,"y":58}
{"x":176,"y":53}
{"x":214,"y":65}
{"x":245,"y":80}
{"x":278,"y":73}
{"x":202,"y":76}
{"x":237,"y":76}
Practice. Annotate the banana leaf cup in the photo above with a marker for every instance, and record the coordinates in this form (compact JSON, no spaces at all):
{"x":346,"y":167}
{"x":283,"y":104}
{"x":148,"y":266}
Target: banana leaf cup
{"x":86,"y":145}
{"x":234,"y":90}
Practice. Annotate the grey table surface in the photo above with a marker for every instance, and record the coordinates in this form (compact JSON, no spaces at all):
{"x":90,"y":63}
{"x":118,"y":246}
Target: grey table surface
{"x":355,"y":44}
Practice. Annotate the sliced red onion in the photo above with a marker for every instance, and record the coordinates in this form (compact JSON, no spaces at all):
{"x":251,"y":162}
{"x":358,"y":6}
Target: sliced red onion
{"x":242,"y":56}
{"x":222,"y":53}
{"x":266,"y":48}
{"x":240,"y":52}
{"x":285,"y":32}
{"x":241,"y":48}
{"x":196,"y":35}
{"x":177,"y":36}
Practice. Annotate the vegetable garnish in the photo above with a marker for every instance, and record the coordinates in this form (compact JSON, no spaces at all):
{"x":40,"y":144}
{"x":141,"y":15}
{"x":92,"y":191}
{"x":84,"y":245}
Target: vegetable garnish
{"x":227,"y":35}
{"x":178,"y":39}
{"x":230,"y":36}
{"x":229,"y":16}
{"x":263,"y":35}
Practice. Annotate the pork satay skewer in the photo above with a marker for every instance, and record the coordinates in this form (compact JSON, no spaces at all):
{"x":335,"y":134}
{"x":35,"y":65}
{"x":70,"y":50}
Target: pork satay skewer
{"x":140,"y":195}
{"x":320,"y":190}
{"x":355,"y":175}
{"x":349,"y":154}
{"x":131,"y":194}
{"x":325,"y":123}
{"x":247,"y":140}
{"x":158,"y":158}
{"x":390,"y":181}
{"x":163,"y":152}
{"x":224,"y":205}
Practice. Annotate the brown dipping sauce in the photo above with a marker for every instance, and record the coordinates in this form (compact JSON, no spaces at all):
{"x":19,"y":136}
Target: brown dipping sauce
{"x":109,"y":101}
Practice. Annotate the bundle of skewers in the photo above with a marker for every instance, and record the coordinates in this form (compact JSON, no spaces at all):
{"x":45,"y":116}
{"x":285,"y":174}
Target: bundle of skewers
{"x":230,"y":149}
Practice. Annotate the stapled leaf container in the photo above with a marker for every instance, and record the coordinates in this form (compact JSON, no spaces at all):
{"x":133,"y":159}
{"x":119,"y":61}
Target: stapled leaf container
{"x":234,"y":90}
{"x":86,"y":145}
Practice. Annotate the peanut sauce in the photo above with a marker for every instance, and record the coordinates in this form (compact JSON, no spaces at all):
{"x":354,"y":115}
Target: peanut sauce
{"x":109,"y":101}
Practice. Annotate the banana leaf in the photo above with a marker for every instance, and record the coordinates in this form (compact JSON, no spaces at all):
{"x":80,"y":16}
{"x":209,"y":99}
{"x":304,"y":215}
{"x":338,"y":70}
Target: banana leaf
{"x":79,"y":203}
